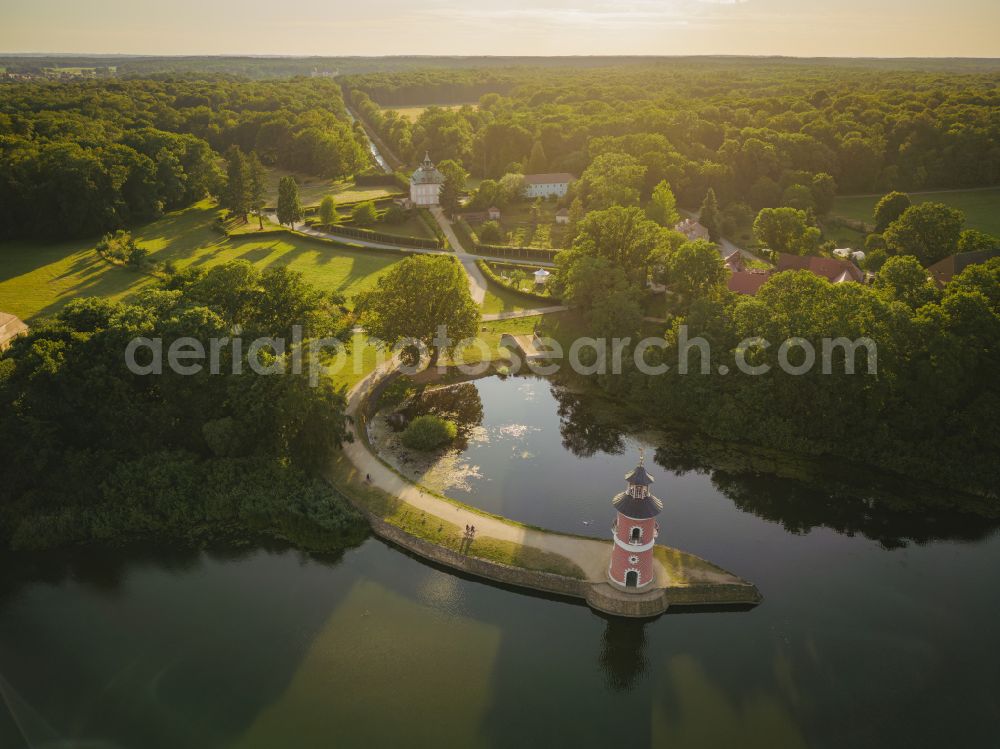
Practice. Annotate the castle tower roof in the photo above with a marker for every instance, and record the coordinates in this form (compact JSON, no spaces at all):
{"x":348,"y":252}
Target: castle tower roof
{"x":427,"y":173}
{"x":636,"y":501}
{"x":639,"y":476}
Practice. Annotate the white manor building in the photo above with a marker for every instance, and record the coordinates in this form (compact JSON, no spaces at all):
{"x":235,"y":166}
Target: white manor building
{"x":425,"y":184}
{"x":547,"y":185}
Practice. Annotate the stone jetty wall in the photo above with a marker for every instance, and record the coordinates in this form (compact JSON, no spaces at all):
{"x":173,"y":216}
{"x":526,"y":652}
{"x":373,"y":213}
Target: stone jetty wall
{"x":503,"y":573}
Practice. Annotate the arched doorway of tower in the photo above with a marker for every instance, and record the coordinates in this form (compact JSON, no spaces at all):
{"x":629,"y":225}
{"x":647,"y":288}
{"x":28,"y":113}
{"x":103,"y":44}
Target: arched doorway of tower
{"x":631,"y":579}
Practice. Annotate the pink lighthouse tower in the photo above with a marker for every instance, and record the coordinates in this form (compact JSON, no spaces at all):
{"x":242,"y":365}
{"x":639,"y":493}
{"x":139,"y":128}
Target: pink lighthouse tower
{"x":635,"y":532}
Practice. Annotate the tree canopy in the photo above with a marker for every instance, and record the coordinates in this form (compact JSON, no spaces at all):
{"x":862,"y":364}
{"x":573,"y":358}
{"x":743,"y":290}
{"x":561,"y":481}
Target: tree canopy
{"x":84,"y":157}
{"x":94,"y":451}
{"x":415,"y":298}
{"x":624,"y":236}
{"x":786,"y":230}
{"x":928,"y":231}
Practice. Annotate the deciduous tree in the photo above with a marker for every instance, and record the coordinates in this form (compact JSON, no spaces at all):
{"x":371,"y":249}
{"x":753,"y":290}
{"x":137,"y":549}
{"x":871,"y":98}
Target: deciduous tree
{"x":928,"y":231}
{"x":454,"y":185}
{"x":622,"y":235}
{"x":786,"y":230}
{"x":662,"y":207}
{"x":889,"y":208}
{"x":417,"y":296}
{"x":696,"y":269}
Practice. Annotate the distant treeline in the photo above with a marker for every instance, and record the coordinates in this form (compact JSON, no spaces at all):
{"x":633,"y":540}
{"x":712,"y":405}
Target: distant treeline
{"x":78,"y":158}
{"x":284,"y":67}
{"x":746,"y":128}
{"x":434,"y":86}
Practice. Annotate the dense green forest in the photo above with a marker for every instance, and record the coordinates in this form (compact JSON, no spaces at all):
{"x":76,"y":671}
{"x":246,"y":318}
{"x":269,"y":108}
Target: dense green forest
{"x":929,"y":412}
{"x":748,"y":129}
{"x":93,"y":451}
{"x":81,"y":157}
{"x":766,"y":138}
{"x":923,"y":401}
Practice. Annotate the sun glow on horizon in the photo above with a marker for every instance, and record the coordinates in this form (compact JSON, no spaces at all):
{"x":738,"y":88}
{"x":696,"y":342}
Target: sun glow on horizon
{"x":808,"y":28}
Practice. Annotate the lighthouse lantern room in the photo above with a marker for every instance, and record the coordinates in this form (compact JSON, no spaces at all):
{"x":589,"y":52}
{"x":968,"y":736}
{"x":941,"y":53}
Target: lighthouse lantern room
{"x":635,"y":531}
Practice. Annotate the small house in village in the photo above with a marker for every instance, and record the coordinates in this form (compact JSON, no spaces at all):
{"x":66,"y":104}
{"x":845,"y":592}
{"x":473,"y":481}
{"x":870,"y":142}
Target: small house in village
{"x":425,"y":184}
{"x":547,"y":185}
{"x":562,"y":216}
{"x":832,"y":269}
{"x":944,"y":270}
{"x":493,"y":213}
{"x":692,"y":229}
{"x":747,"y":281}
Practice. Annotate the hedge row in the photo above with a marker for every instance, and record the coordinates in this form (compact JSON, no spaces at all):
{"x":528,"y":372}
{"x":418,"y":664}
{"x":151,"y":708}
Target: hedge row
{"x":379,"y":202}
{"x":431,"y":223}
{"x":465,"y":233}
{"x":525,"y":253}
{"x":379,"y":236}
{"x":402,"y":180}
{"x":501,"y":281}
{"x":324,"y":240}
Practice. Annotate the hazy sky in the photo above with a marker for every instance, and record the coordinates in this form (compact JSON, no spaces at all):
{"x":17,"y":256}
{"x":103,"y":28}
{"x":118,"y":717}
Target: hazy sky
{"x":876,"y":28}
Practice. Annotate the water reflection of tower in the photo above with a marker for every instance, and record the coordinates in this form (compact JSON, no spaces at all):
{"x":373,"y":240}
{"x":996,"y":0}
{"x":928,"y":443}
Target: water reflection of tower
{"x":623,"y":652}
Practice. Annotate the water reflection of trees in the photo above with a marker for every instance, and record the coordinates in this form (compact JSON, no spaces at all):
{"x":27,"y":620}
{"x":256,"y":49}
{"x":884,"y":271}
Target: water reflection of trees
{"x":800,"y":494}
{"x":458,"y":403}
{"x":106,"y":568}
{"x":884,"y":510}
{"x":586,"y":427}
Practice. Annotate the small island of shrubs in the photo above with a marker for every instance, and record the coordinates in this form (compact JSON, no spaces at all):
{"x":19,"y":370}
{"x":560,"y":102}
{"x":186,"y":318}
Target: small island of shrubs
{"x":429,"y":432}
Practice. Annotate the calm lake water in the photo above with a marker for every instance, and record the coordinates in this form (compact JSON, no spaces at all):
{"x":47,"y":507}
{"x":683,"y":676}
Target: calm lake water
{"x":876,"y":629}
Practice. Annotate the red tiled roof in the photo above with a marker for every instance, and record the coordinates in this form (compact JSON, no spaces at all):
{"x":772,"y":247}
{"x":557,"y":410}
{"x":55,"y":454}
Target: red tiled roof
{"x":747,"y":282}
{"x":829,"y":268}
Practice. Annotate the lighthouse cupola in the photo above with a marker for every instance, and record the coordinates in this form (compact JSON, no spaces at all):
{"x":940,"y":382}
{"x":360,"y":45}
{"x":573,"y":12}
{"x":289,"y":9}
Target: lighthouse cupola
{"x":635,"y":531}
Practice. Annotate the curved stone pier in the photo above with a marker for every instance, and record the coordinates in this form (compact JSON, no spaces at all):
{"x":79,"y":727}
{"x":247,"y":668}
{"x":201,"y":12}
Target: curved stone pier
{"x":682,"y":579}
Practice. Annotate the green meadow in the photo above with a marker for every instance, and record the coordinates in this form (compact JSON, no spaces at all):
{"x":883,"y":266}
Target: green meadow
{"x":37,"y":279}
{"x":313,"y":189}
{"x":981,"y":207}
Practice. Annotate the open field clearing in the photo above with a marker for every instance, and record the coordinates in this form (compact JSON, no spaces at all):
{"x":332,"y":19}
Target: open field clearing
{"x":36,"y":279}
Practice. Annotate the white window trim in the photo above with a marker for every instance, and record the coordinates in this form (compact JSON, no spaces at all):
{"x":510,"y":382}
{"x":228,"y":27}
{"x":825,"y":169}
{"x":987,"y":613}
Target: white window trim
{"x":634,"y":547}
